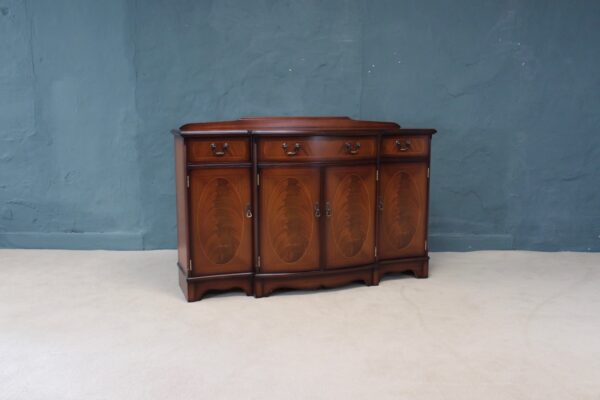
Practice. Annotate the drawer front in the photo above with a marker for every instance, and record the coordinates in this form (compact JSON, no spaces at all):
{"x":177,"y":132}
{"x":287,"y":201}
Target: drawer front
{"x":405,"y":146}
{"x":218,"y":150}
{"x":316,"y":148}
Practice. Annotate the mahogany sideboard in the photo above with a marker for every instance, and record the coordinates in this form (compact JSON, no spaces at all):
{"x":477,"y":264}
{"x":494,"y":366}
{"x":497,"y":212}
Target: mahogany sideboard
{"x":299,"y":202}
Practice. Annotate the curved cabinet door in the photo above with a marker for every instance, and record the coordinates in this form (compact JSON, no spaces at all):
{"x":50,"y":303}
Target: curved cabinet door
{"x":220,"y":225}
{"x":289,"y":219}
{"x":349,"y":212}
{"x":403,"y":209}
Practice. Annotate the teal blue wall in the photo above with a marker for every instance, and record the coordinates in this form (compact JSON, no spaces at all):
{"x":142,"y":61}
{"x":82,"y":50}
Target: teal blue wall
{"x":89,"y":90}
{"x":69,"y":161}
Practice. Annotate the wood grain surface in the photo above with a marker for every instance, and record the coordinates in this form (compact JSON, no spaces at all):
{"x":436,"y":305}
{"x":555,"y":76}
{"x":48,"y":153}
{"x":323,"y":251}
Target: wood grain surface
{"x":405,"y":146}
{"x":221,"y":232}
{"x":201,"y":150}
{"x":403,"y":197}
{"x":317,"y":148}
{"x":350,"y":196}
{"x":289,"y":229}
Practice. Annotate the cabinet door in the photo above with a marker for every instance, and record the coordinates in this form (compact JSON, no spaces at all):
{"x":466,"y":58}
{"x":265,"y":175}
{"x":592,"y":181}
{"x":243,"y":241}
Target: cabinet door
{"x":289,"y":219}
{"x":350,"y":215}
{"x":403,"y":208}
{"x":220,"y":225}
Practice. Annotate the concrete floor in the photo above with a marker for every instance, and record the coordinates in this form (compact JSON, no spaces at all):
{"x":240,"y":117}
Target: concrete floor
{"x":485,"y":325}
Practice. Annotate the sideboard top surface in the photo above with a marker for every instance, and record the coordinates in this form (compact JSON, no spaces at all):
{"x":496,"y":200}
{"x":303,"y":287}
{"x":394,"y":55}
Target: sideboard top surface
{"x":312,"y":125}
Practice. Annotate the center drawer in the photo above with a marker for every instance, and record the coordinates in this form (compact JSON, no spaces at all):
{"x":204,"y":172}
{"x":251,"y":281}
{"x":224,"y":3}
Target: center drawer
{"x":315,"y":148}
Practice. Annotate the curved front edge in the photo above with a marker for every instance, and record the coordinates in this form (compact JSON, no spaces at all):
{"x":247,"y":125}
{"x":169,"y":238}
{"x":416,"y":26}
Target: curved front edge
{"x":265,"y":284}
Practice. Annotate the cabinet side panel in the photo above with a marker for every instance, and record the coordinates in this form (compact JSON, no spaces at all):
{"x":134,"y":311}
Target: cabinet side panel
{"x":182,"y":203}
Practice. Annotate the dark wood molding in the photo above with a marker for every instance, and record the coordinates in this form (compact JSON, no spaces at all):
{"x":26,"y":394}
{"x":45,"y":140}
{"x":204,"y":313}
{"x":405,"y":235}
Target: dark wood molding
{"x":401,"y":260}
{"x":377,"y":196}
{"x":283,"y":164}
{"x":265,"y":284}
{"x":300,"y":124}
{"x":314,"y":273}
{"x":221,"y":165}
{"x":219,"y":276}
{"x":408,"y":159}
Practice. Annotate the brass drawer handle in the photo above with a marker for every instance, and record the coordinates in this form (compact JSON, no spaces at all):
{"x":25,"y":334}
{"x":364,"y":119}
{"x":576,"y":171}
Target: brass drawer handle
{"x":213,"y":147}
{"x":248,"y":211}
{"x":297,"y":147}
{"x":403,"y":145}
{"x":328,"y":211}
{"x":317,"y":210}
{"x":352,"y":149}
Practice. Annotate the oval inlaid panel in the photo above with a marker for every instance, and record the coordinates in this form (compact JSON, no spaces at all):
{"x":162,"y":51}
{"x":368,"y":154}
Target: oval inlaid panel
{"x":351,"y":215}
{"x":401,"y":209}
{"x":222,"y":221}
{"x":291,"y":225}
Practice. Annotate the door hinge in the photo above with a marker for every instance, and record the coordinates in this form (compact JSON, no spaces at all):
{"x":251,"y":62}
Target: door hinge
{"x":377,"y":175}
{"x":257,"y":179}
{"x":258,"y":262}
{"x":375,"y":252}
{"x":190,"y":264}
{"x":427,"y":173}
{"x":426,"y":245}
{"x":187,"y":181}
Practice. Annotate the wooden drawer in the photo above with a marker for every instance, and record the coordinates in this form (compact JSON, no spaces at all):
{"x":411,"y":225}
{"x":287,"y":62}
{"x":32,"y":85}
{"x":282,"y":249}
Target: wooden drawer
{"x":316,"y":148}
{"x":405,"y":146}
{"x":218,"y":150}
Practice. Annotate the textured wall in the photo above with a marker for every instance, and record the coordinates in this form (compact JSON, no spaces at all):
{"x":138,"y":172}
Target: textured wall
{"x":89,"y":91}
{"x":226,"y":59}
{"x":514,"y":89}
{"x":69,"y":174}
